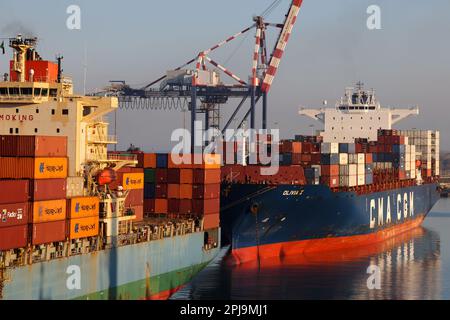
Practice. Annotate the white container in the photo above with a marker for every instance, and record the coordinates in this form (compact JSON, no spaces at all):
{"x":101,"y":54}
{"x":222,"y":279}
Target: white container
{"x":352,"y":169}
{"x":343,"y":158}
{"x":74,"y":187}
{"x":361,"y":158}
{"x":361,"y":169}
{"x":361,"y":180}
{"x":352,"y":181}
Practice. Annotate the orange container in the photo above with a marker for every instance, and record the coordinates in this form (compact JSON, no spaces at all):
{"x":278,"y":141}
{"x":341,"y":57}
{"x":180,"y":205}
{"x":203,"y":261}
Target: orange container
{"x":33,"y":168}
{"x":83,"y":207}
{"x":186,"y":176}
{"x":133,"y":181}
{"x":161,"y":205}
{"x":173,"y":191}
{"x":186,"y":191}
{"x":149,"y":161}
{"x":83,"y":228}
{"x":369,"y":158}
{"x":211,"y":221}
{"x":202,"y":176}
{"x":46,"y":211}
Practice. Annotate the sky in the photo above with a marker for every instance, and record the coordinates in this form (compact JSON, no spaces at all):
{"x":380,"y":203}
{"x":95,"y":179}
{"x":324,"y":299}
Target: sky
{"x":407,"y":61}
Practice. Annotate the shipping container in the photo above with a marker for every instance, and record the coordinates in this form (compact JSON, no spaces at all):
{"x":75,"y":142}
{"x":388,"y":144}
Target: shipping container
{"x":161,"y":175}
{"x":51,"y":210}
{"x":205,"y":206}
{"x":331,"y":181}
{"x":173,"y":176}
{"x":211,"y":221}
{"x":161,"y":190}
{"x":13,"y":237}
{"x":135,"y":198}
{"x":149,"y":175}
{"x":149,"y":206}
{"x":83,"y":228}
{"x":83,"y":207}
{"x":133,"y":181}
{"x":14,"y":191}
{"x":48,"y":189}
{"x":330,"y":170}
{"x":343,"y":158}
{"x":173,"y":206}
{"x":173,"y":191}
{"x":161,"y":160}
{"x":148,"y":161}
{"x":288,"y":146}
{"x":149,"y":191}
{"x":329,"y":158}
{"x":206,"y":191}
{"x":48,"y":232}
{"x":329,"y":147}
{"x":208,"y":176}
{"x":13,"y":214}
{"x":33,"y":168}
{"x":186,"y":191}
{"x":161,"y":205}
{"x":138,"y":211}
{"x":33,"y":146}
{"x":185,"y":206}
{"x":186,"y":176}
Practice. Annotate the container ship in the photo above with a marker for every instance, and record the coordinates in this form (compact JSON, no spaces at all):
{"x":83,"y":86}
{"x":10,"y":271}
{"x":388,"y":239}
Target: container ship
{"x":80,"y":222}
{"x":357,"y":182}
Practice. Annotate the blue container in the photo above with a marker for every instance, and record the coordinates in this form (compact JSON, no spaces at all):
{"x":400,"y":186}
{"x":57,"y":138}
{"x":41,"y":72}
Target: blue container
{"x":399,"y":148}
{"x":162,"y":160}
{"x":312,"y":173}
{"x":347,"y":148}
{"x":369,"y":168}
{"x":369,"y":178}
{"x":149,"y":191}
{"x":286,"y":159}
{"x":388,"y":157}
{"x":375,"y":157}
{"x":329,"y":158}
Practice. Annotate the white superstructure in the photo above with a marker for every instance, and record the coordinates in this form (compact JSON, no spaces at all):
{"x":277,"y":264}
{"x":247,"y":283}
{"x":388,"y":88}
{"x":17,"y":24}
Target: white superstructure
{"x":356,"y":115}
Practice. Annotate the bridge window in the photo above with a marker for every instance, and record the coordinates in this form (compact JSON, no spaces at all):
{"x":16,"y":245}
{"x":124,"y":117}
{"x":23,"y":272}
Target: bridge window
{"x":35,"y":130}
{"x":45,"y":92}
{"x":17,"y":130}
{"x":57,"y":130}
{"x":37,"y":91}
{"x":3,"y":91}
{"x":53,"y":92}
{"x":13,"y":91}
{"x":17,"y":110}
{"x":26,"y":91}
{"x":11,"y":131}
{"x":37,"y":110}
{"x":65,"y":112}
{"x":53,"y":112}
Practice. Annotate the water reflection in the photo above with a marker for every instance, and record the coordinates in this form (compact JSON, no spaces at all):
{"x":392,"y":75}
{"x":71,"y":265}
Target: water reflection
{"x":412,"y":267}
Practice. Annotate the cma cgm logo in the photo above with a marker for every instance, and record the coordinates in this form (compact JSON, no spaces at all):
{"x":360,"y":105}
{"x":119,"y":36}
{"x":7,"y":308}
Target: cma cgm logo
{"x":383,"y":210}
{"x":41,"y":167}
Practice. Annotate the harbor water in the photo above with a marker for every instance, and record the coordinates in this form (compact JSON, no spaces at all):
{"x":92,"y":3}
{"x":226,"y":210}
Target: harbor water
{"x":414,"y":265}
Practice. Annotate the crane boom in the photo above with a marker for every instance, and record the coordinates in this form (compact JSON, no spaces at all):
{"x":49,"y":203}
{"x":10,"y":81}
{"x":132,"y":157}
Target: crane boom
{"x":283,"y":39}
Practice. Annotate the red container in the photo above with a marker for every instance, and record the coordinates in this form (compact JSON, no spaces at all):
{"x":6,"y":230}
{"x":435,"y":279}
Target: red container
{"x":185,"y":191}
{"x":33,"y":146}
{"x":331,"y":181}
{"x":161,"y":190}
{"x":287,"y":146}
{"x":185,"y":206}
{"x":173,"y":206}
{"x":186,"y":176}
{"x":14,"y":214}
{"x":211,"y":221}
{"x":173,"y":176}
{"x":149,"y":206}
{"x":48,"y":189}
{"x":13,"y":237}
{"x":161,"y":175}
{"x":135,"y":198}
{"x":161,"y":205}
{"x":47,"y":232}
{"x":14,"y":191}
{"x":207,"y":176}
{"x":315,"y":158}
{"x":146,"y":160}
{"x":329,"y":170}
{"x":173,"y":191}
{"x":204,"y":207}
{"x":206,"y":191}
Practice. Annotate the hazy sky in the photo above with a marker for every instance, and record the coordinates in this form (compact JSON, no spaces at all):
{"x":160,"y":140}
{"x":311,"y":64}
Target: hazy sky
{"x":407,"y":61}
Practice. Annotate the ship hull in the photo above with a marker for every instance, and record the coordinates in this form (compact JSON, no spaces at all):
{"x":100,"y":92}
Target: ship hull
{"x":264,"y":222}
{"x":148,"y":270}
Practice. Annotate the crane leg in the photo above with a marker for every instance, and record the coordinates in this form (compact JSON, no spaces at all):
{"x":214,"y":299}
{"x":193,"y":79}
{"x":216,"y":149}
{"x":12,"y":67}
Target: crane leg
{"x":193,"y":116}
{"x":264,"y":111}
{"x":252,"y":108}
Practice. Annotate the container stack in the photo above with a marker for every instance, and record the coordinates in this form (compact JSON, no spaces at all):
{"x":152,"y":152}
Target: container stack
{"x":132,"y":179}
{"x":38,"y":163}
{"x":83,"y":217}
{"x":184,"y":190}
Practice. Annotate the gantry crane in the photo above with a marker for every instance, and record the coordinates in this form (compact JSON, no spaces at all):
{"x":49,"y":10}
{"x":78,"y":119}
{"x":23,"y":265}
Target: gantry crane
{"x":181,"y":88}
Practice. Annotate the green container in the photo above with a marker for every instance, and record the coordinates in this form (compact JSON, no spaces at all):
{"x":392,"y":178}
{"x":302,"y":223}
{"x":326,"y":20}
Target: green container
{"x":149,"y":175}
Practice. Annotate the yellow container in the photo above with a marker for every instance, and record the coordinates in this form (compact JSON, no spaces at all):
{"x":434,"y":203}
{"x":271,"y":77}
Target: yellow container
{"x":133,"y":181}
{"x":50,"y":168}
{"x":83,"y":228}
{"x":83,"y":207}
{"x":46,"y":211}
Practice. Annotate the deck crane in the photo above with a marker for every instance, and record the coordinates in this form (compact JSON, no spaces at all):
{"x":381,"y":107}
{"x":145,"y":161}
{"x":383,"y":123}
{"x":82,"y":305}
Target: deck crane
{"x":181,"y":88}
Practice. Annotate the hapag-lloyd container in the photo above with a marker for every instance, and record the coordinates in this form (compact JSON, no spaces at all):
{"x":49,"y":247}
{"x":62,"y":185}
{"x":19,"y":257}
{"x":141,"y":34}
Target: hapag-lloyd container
{"x":33,"y":146}
{"x":47,"y":232}
{"x":13,"y":191}
{"x":48,"y":189}
{"x":13,"y":237}
{"x":133,"y":181}
{"x":46,"y":211}
{"x":33,"y":168}
{"x":13,"y":214}
{"x":84,"y":227}
{"x":83,"y":207}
